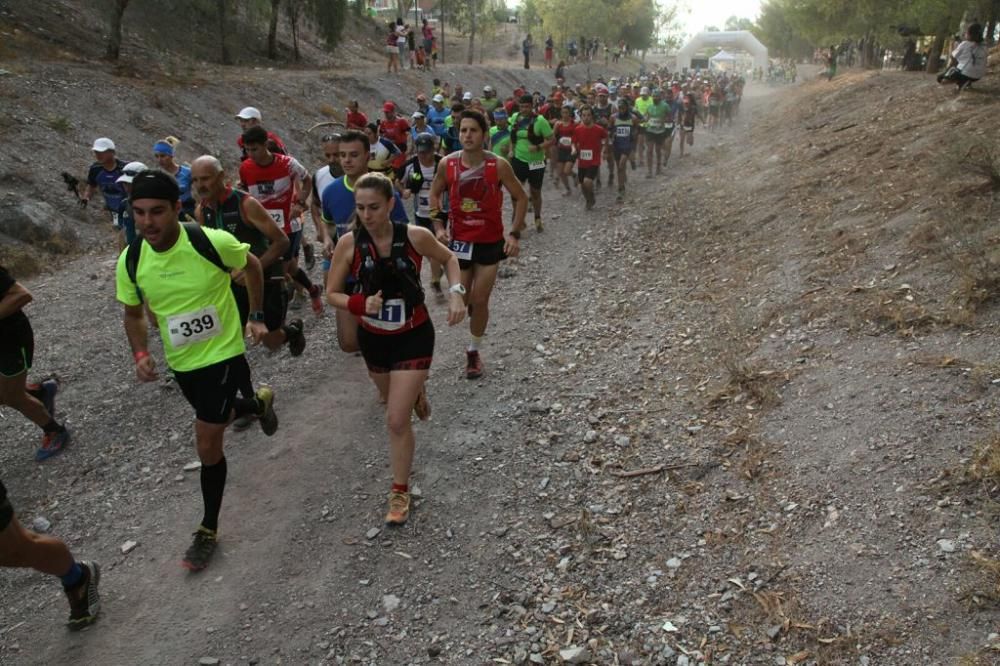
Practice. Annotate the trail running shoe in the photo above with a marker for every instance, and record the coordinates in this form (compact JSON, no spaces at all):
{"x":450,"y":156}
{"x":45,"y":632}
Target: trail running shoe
{"x":202,"y":548}
{"x":399,"y":509}
{"x":53,"y":444}
{"x":49,"y":389}
{"x":268,"y":419}
{"x":473,"y":365}
{"x":296,"y":338}
{"x":538,"y":224}
{"x":307,"y":249}
{"x":84,"y":600}
{"x":316,"y":298}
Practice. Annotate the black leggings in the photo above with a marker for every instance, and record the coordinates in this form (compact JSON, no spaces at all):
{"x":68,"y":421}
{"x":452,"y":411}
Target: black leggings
{"x":953,"y":75}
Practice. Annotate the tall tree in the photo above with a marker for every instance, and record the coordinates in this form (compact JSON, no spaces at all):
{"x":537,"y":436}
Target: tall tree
{"x":115,"y":38}
{"x":272,"y":30}
{"x":293,"y":9}
{"x":222,"y":12}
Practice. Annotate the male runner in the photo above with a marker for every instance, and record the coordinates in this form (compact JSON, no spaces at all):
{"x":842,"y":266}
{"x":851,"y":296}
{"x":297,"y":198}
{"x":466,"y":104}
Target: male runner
{"x":20,"y":548}
{"x":103,"y":175}
{"x":659,"y":116}
{"x":603,"y":112}
{"x":17,"y":350}
{"x":626,"y":124}
{"x":250,"y":117}
{"x":281,"y":184}
{"x":182,"y":273}
{"x":320,"y":180}
{"x":417,"y":176}
{"x":532,"y":136}
{"x":589,"y":140}
{"x":500,"y":134}
{"x":641,"y":104}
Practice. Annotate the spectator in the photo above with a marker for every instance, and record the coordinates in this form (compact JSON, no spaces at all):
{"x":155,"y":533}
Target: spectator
{"x":968,"y":60}
{"x":549,"y":50}
{"x":526,"y":46}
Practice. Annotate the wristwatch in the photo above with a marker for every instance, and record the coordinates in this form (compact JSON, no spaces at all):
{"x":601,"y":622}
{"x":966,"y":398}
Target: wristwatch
{"x":457,"y":289}
{"x":257,"y":316}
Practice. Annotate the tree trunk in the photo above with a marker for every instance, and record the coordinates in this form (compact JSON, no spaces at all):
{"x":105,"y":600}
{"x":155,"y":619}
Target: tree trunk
{"x":442,"y":32}
{"x":272,"y":31}
{"x":294,"y":10}
{"x":472,"y":33}
{"x":221,"y":7}
{"x":933,"y":59}
{"x":115,"y":38}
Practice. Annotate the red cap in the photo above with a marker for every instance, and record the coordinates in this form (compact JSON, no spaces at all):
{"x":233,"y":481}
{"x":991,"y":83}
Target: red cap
{"x":389,"y":107}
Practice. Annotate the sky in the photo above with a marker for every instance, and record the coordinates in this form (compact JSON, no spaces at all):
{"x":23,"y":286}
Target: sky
{"x":694,"y":15}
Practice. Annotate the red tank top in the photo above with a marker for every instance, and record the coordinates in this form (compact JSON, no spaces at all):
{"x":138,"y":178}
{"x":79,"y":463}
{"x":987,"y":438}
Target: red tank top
{"x":476,"y":200}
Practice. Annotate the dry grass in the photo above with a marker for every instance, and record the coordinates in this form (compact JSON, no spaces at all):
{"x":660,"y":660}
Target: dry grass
{"x":891,"y":311}
{"x":746,"y":382}
{"x":983,"y":588}
{"x":328,"y":111}
{"x":985,"y":464}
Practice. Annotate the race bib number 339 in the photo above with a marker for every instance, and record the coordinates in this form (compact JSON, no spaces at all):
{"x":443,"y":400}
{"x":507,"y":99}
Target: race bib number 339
{"x":190,"y":327}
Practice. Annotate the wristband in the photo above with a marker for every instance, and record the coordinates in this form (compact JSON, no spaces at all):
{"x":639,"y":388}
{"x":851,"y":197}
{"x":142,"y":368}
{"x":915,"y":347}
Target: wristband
{"x":356,"y":305}
{"x":139,"y":355}
{"x":516,"y":235}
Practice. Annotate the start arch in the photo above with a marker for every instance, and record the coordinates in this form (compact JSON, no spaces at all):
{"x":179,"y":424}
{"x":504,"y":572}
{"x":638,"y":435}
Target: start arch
{"x":737,"y":39}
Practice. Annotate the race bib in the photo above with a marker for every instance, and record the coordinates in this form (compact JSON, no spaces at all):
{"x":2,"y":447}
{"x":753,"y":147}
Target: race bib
{"x":116,"y":220}
{"x":535,"y":166}
{"x":566,"y":141}
{"x":656,"y":122}
{"x":191,"y":327}
{"x":278,"y":216}
{"x":462,"y":249}
{"x":669,"y":126}
{"x":423,"y":204}
{"x":623,"y":131}
{"x":296,"y":224}
{"x":391,"y":318}
{"x":586,"y":155}
{"x":689,"y":128}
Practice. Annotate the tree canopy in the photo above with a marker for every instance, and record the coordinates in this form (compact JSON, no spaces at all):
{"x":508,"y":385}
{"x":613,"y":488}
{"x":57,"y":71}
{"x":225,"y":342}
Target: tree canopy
{"x":635,"y":21}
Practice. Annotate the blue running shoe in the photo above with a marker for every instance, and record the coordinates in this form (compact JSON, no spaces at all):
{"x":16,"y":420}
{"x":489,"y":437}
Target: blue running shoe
{"x":53,"y":444}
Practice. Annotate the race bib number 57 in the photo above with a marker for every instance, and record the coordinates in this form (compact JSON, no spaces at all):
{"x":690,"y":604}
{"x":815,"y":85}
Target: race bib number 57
{"x":191,"y":327}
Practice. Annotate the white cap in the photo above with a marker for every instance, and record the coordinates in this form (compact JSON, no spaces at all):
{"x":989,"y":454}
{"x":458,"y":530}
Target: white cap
{"x":438,"y":98}
{"x":467,"y":97}
{"x":102,"y":145}
{"x":487,"y":89}
{"x":131,"y":170}
{"x":249,"y":113}
{"x":644,"y":91}
{"x":417,"y":114}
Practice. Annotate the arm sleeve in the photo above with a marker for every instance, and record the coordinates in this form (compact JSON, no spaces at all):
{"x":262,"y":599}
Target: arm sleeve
{"x":125,"y":290}
{"x":232,"y":252}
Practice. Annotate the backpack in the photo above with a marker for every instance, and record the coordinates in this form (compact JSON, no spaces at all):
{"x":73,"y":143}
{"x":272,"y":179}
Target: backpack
{"x":199,"y":240}
{"x":415,"y":184}
{"x":372,"y":271}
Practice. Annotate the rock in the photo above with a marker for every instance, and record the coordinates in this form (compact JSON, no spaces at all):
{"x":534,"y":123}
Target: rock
{"x":192,"y":466}
{"x":390,"y":602}
{"x":433,"y":651}
{"x":548,"y":607}
{"x":590,"y":437}
{"x":381,"y":622}
{"x":128,"y":547}
{"x":674,"y":563}
{"x":683,"y":660}
{"x":536,"y":658}
{"x":575,"y":655}
{"x":670,"y":627}
{"x":538,"y":407}
{"x":36,"y":222}
{"x":41,"y":525}
{"x":520,"y":655}
{"x":773,"y":631}
{"x":372,"y":533}
{"x":946,"y":545}
{"x":622,"y":440}
{"x":208,"y":661}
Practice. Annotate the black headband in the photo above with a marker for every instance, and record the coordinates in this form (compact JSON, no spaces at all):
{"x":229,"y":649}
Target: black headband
{"x":154,"y":185}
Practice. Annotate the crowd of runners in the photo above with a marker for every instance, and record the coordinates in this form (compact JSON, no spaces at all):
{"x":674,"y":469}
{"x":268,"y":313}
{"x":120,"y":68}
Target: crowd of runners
{"x":212,"y":255}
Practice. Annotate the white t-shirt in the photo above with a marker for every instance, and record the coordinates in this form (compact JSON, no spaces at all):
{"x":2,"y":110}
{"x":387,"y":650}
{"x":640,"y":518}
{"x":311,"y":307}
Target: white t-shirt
{"x":971,"y":59}
{"x":423,"y":197}
{"x":400,"y":35}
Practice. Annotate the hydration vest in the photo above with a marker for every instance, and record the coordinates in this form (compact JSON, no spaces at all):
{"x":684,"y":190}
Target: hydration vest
{"x":396,"y":276}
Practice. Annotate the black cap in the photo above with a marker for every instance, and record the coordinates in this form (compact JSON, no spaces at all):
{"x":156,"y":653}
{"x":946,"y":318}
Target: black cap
{"x":424,"y":141}
{"x":155,"y":185}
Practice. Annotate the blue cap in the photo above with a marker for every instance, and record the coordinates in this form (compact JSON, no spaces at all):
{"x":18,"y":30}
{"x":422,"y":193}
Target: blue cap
{"x":500,"y":114}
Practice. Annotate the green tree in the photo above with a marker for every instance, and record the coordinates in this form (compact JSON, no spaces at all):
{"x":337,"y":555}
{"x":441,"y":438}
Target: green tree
{"x":115,"y":37}
{"x":735,"y":23}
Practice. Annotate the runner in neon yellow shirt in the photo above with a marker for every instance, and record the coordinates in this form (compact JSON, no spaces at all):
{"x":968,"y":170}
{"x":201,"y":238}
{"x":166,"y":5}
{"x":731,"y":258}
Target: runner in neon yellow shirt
{"x":532,"y":136}
{"x":183,"y":274}
{"x":641,"y":106}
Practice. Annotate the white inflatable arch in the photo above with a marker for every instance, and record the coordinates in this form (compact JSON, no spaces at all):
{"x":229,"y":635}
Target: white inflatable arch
{"x":737,"y":39}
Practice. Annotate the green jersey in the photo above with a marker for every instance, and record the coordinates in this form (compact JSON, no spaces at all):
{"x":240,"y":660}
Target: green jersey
{"x":499,"y":140}
{"x":524,"y":150}
{"x":659,"y":118}
{"x":191,"y":298}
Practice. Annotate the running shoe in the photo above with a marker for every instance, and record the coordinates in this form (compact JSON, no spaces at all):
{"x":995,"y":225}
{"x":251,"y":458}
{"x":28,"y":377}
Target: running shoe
{"x":241,"y":423}
{"x":53,"y":444}
{"x":473,"y":365}
{"x":307,"y":249}
{"x":202,"y":548}
{"x":422,"y":407}
{"x":399,"y":509}
{"x":49,"y":389}
{"x":316,"y":298}
{"x":295,"y":301}
{"x":296,"y":338}
{"x":538,"y":224}
{"x":268,"y":419}
{"x":84,"y":600}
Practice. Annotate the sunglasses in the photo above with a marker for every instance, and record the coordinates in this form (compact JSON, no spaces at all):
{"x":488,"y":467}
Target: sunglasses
{"x":327,"y":138}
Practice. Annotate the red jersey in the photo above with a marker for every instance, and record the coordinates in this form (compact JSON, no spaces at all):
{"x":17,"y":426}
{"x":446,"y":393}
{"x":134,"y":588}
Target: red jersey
{"x":396,"y":130}
{"x":273,"y":186}
{"x":588,"y":144}
{"x":356,"y":120}
{"x":476,"y":200}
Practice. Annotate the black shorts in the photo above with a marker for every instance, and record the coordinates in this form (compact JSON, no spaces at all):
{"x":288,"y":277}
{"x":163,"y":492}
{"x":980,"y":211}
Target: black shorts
{"x":524,"y":172}
{"x":6,"y":510}
{"x":212,"y":390}
{"x":17,"y":347}
{"x":412,"y":350}
{"x":591,"y":172}
{"x":274,"y":303}
{"x":566,"y":155}
{"x":484,"y":254}
{"x":294,"y":243}
{"x":619,"y":153}
{"x":658,"y":138}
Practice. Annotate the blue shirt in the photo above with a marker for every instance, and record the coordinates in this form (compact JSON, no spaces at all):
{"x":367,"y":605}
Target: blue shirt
{"x":338,"y":206}
{"x":183,"y":178}
{"x":105,"y":181}
{"x":436,"y":119}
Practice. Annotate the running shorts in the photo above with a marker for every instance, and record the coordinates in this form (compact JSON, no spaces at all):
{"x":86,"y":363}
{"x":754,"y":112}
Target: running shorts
{"x":6,"y":510}
{"x":621,"y":152}
{"x":17,"y":347}
{"x":523,"y":172}
{"x":566,"y":155}
{"x":294,"y":243}
{"x":484,"y":254}
{"x":212,"y":390}
{"x":591,"y":172}
{"x":658,"y":138}
{"x":411,"y":350}
{"x":274,"y":302}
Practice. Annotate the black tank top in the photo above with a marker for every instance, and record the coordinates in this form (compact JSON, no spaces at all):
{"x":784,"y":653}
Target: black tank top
{"x":228,"y":216}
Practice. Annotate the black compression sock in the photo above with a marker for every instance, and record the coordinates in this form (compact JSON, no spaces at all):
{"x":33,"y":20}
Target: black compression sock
{"x":303,"y":279}
{"x":247,"y":406}
{"x":213,"y":485}
{"x":52,"y":427}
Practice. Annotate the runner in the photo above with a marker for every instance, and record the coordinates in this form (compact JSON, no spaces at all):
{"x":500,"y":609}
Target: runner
{"x":355,"y":119}
{"x":688,"y":116}
{"x":589,"y":140}
{"x":641,"y":106}
{"x":626,"y":125}
{"x":659,"y":117}
{"x":17,"y":351}
{"x":163,"y":152}
{"x":20,"y":548}
{"x":337,"y":202}
{"x":103,"y":175}
{"x":250,"y":117}
{"x":395,"y":333}
{"x":416,"y":179}
{"x":281,"y":184}
{"x":474,"y":180}
{"x":564,"y":130}
{"x":202,"y":336}
{"x":383,"y":151}
{"x":125,"y":216}
{"x":490,"y":100}
{"x":396,"y":129}
{"x":222,"y":207}
{"x":532,"y":137}
{"x":603,"y":113}
{"x":437,"y":116}
{"x":500,"y":134}
{"x":419,"y":127}
{"x":323,"y":177}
